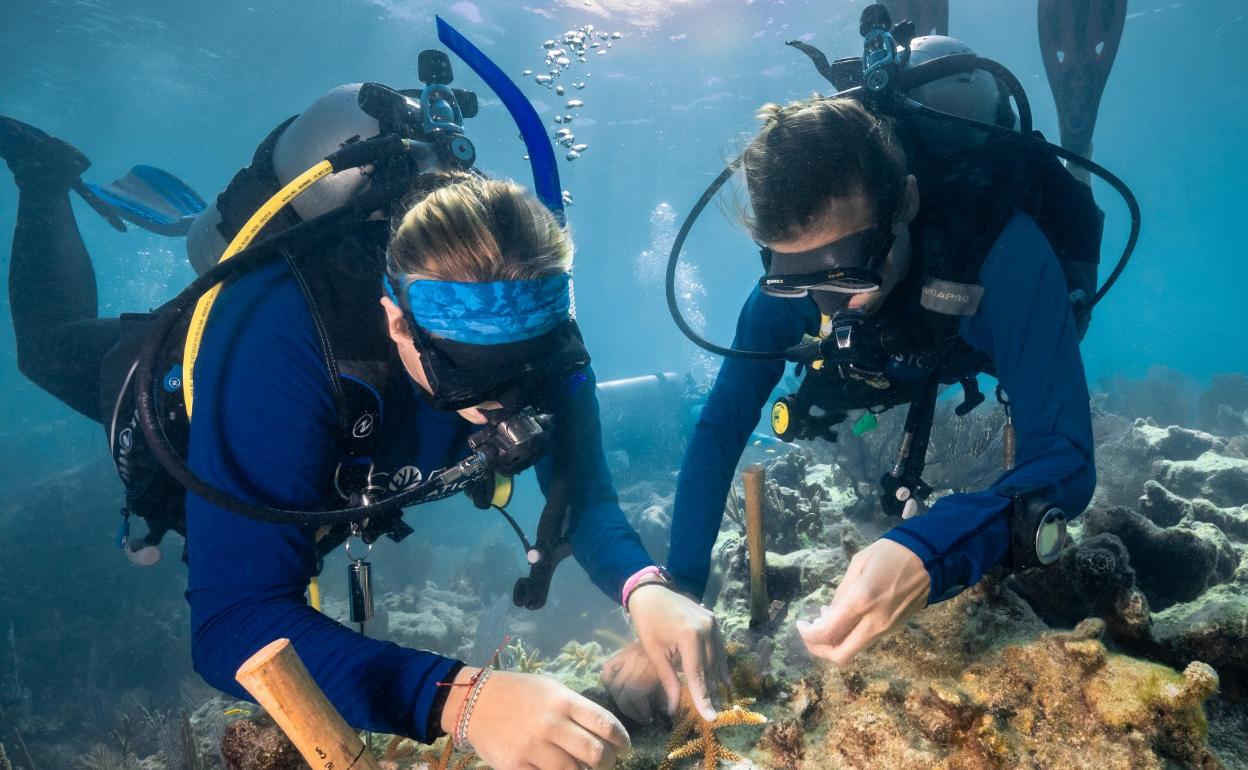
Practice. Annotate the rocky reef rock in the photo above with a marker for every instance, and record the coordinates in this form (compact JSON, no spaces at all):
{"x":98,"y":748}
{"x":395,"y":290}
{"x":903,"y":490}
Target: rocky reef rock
{"x":1223,"y":408}
{"x":1220,"y":479}
{"x":258,"y":743}
{"x":1169,"y":578}
{"x":939,"y":694}
{"x":1175,"y":564}
{"x":1173,"y":442}
{"x":798,"y":502}
{"x":1214,"y":628}
{"x":1092,"y":579}
{"x":427,"y":618}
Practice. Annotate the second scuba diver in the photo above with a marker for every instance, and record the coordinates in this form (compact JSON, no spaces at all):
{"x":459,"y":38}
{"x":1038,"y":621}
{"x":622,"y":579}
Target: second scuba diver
{"x":904,"y":248}
{"x":314,"y":391}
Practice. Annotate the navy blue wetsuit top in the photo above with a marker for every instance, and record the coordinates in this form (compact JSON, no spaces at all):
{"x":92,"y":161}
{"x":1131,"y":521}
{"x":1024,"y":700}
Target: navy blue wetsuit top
{"x":265,"y":429}
{"x":1024,"y":323}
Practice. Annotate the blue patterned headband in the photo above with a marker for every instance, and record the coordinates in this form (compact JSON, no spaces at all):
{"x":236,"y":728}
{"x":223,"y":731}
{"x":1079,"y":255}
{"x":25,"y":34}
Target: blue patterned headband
{"x":490,"y":312}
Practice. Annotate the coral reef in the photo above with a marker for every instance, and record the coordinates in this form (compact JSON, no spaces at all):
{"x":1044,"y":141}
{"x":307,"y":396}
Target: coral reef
{"x":79,"y":627}
{"x":785,"y":742}
{"x":1169,"y":575}
{"x":403,"y":753}
{"x":683,"y":744}
{"x":984,"y":680}
{"x":520,"y":658}
{"x":930,"y":697}
{"x":578,"y":666}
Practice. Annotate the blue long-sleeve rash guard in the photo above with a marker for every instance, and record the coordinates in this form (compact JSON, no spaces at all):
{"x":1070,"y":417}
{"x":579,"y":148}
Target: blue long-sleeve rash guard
{"x":265,"y":430}
{"x":1024,"y":324}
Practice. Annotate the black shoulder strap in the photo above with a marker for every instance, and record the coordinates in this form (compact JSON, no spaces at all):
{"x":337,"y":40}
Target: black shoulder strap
{"x":250,"y":188}
{"x":341,"y":285}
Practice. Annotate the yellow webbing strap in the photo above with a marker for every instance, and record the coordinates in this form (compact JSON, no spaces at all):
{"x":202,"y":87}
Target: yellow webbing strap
{"x":199,"y":320}
{"x":314,"y":593}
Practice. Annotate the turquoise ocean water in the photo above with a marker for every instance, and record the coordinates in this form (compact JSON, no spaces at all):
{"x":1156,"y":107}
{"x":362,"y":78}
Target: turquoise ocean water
{"x":193,"y":87}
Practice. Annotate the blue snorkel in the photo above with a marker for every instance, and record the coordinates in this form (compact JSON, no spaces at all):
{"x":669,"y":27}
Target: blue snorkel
{"x":541,"y":153}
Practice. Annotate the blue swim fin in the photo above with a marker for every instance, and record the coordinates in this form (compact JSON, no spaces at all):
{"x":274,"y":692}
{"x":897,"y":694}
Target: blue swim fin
{"x":152,"y":199}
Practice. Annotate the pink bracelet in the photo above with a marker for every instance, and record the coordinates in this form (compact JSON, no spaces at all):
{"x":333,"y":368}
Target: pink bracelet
{"x":633,"y":582}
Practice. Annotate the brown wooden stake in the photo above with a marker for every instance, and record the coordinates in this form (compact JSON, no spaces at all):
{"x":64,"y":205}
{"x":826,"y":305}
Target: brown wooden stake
{"x":278,"y":680}
{"x":755,"y":479}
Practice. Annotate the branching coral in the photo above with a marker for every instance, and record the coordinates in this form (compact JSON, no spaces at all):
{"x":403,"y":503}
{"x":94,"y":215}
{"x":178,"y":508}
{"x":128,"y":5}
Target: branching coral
{"x":580,"y":657}
{"x":436,"y":757}
{"x":707,"y":744}
{"x":4,"y":759}
{"x":522,"y":660}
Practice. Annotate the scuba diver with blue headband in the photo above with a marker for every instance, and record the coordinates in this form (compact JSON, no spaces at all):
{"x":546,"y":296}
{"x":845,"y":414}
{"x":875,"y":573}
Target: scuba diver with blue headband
{"x":375,"y":325}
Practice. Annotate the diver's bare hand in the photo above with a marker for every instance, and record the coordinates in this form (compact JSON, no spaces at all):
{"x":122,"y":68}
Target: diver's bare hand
{"x":673,"y":628}
{"x":885,"y":584}
{"x":530,"y":721}
{"x":632,"y":681}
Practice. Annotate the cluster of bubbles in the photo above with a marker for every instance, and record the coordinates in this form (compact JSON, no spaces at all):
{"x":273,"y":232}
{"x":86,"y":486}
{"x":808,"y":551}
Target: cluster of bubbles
{"x":570,"y":49}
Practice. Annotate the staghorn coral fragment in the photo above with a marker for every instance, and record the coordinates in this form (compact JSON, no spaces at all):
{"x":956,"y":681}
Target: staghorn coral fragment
{"x":707,"y":744}
{"x":580,"y":657}
{"x":405,"y":754}
{"x":523,"y":660}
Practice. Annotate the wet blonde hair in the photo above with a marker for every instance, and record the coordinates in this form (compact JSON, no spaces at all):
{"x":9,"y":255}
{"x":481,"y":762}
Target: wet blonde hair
{"x":464,"y":227}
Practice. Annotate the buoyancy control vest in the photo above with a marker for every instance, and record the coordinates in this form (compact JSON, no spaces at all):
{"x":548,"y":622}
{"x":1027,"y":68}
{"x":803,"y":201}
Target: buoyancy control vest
{"x":339,"y":279}
{"x":911,"y":346}
{"x":967,"y":200}
{"x":339,"y":273}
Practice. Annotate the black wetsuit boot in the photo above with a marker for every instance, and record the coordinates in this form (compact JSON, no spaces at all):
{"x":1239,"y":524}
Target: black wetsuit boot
{"x":52,"y":292}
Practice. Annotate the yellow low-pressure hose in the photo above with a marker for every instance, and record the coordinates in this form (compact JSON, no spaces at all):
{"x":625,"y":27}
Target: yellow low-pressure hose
{"x":199,"y":320}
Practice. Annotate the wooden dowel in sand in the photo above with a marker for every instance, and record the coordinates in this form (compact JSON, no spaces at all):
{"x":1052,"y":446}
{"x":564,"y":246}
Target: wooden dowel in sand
{"x":278,"y":680}
{"x":754,"y":479}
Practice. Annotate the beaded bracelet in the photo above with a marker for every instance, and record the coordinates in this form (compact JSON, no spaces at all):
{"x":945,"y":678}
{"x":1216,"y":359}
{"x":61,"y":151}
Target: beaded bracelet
{"x":460,"y":737}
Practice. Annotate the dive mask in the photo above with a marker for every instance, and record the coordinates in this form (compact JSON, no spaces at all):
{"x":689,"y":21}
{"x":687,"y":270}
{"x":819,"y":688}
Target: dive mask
{"x":510,"y":342}
{"x":849,"y":265}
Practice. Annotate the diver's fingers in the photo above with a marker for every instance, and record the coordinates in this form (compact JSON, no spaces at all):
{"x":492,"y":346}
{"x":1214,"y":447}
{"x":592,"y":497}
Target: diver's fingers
{"x":693,"y":661}
{"x":610,"y":670}
{"x":599,"y":722}
{"x":834,"y":625}
{"x":550,"y":756}
{"x":585,"y":747}
{"x":862,"y":637}
{"x":666,"y":672}
{"x":817,"y":642}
